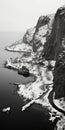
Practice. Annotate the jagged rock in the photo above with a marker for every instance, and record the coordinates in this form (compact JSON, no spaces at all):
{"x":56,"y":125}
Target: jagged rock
{"x":43,"y":20}
{"x":24,"y":71}
{"x":43,"y":28}
{"x":35,"y":37}
{"x":28,"y":36}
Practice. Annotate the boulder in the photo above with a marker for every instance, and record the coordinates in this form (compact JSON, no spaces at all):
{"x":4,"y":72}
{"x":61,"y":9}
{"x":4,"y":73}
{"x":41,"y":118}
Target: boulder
{"x":24,"y":71}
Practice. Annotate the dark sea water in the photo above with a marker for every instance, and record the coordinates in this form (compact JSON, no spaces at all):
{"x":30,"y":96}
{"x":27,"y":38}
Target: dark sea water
{"x":31,"y":118}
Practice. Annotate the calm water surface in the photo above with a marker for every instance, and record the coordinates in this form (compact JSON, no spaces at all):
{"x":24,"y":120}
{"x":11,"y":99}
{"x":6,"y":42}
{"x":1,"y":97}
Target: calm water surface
{"x":29,"y":119}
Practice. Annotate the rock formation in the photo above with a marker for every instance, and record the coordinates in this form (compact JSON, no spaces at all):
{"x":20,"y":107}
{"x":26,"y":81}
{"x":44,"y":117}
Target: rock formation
{"x":54,"y":49}
{"x":43,"y":56}
{"x":28,"y":36}
{"x":43,"y":28}
{"x":24,"y":71}
{"x":47,"y":39}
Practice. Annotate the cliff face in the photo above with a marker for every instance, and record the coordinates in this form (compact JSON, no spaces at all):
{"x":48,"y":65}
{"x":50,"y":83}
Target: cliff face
{"x":43,"y":29}
{"x":49,"y":37}
{"x":59,"y":71}
{"x":54,"y":40}
{"x":54,"y":49}
{"x":36,"y":36}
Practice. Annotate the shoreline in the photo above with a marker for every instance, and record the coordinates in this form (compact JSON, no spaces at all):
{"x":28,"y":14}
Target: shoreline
{"x":40,"y":42}
{"x":46,"y":102}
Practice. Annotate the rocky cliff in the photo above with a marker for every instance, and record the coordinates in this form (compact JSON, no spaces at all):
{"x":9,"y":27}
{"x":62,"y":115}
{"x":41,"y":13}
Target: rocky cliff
{"x":42,"y":62}
{"x":48,"y":38}
{"x":54,"y":49}
{"x":36,"y":36}
{"x":59,"y":71}
{"x":43,"y":29}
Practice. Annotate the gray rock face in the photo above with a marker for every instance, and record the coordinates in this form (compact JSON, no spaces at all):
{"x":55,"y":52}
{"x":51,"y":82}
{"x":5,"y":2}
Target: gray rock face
{"x":28,"y":36}
{"x":54,"y":40}
{"x":43,"y":20}
{"x":59,"y":72}
{"x":54,"y":49}
{"x":43,"y":28}
{"x":36,"y":36}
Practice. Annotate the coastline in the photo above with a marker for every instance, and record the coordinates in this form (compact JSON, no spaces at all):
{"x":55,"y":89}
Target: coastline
{"x":41,"y":90}
{"x":40,"y":87}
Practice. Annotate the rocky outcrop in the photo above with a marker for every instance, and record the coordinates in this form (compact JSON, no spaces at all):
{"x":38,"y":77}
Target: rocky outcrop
{"x":43,"y":28}
{"x":24,"y":44}
{"x":36,"y":36}
{"x":24,"y":71}
{"x":28,"y":36}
